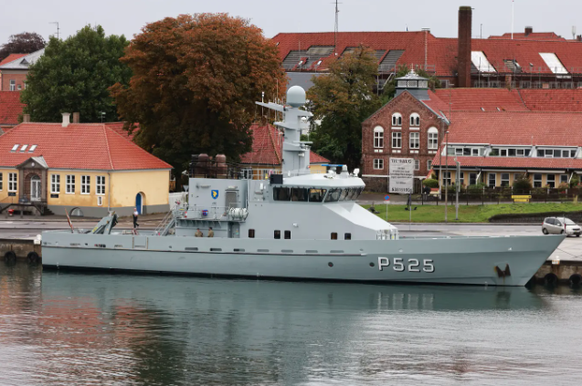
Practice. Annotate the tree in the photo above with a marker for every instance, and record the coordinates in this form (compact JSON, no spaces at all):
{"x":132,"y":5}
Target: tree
{"x":390,"y":89}
{"x":23,"y":43}
{"x":195,"y":83}
{"x":343,"y":99}
{"x":75,"y":76}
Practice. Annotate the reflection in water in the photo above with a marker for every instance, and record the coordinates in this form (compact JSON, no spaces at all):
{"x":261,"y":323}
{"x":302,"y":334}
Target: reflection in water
{"x":64,"y":328}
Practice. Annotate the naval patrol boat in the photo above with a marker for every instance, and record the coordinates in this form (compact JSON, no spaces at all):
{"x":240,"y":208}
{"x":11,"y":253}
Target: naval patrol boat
{"x":293,"y":226}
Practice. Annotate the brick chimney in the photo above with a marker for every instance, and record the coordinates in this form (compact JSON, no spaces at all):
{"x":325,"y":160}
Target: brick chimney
{"x":528,"y":31}
{"x":76,"y":118}
{"x":66,"y":119}
{"x":26,"y":118}
{"x":464,"y":50}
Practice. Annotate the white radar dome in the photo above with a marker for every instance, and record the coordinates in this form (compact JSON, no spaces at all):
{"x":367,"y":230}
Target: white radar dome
{"x":296,"y":96}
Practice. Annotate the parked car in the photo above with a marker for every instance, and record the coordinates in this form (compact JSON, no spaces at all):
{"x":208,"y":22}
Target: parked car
{"x":560,"y":225}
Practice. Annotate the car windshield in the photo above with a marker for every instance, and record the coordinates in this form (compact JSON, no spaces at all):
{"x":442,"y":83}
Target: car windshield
{"x":567,"y":221}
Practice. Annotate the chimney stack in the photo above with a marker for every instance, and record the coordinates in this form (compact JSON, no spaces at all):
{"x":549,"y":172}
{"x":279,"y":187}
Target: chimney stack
{"x":66,"y":119}
{"x":26,"y":118}
{"x":464,"y":48}
{"x":579,"y":38}
{"x":76,"y":118}
{"x":528,"y":31}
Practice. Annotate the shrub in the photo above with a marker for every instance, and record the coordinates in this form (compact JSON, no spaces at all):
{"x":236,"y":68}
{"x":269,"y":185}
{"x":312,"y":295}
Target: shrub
{"x":478,"y":188}
{"x":574,"y":182}
{"x":522,"y":184}
{"x":431,"y":183}
{"x":563,"y":186}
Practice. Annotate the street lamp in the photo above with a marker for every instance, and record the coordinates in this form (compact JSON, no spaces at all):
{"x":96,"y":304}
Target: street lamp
{"x":446,"y":168}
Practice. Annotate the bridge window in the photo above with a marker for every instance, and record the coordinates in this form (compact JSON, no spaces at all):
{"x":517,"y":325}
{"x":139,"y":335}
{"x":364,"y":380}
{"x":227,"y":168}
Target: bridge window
{"x":299,"y":194}
{"x":333,"y":195}
{"x":277,"y":235}
{"x":287,"y":235}
{"x":347,"y":236}
{"x":281,"y":194}
{"x":334,"y":235}
{"x":251,"y":233}
{"x":316,"y":195}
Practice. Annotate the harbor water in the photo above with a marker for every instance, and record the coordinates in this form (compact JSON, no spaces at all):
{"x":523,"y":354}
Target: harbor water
{"x":60,"y":328}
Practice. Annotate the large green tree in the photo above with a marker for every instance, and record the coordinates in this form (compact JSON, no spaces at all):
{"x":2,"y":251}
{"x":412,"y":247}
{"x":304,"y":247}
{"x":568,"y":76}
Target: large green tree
{"x":343,"y":99}
{"x":22,"y":43}
{"x":195,"y":83}
{"x":75,"y":75}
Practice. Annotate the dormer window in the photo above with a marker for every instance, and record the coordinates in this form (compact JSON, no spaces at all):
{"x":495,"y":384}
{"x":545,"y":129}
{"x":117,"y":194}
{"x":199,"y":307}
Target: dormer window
{"x":23,"y":148}
{"x":32,"y":148}
{"x":396,"y":119}
{"x":14,"y":148}
{"x":414,"y":119}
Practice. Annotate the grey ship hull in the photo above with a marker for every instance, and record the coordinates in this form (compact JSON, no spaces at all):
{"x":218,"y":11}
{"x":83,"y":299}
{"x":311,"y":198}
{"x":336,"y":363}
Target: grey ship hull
{"x":501,"y":261}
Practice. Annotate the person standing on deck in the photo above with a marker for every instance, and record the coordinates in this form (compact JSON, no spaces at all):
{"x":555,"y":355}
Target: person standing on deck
{"x":135,"y":214}
{"x":210,"y":232}
{"x":198,"y":233}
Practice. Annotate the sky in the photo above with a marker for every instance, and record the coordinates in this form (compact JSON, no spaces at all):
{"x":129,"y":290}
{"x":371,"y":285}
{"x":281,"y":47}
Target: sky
{"x":490,"y":17}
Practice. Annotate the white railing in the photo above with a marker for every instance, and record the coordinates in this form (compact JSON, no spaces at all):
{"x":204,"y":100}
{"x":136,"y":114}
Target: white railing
{"x":387,"y":234}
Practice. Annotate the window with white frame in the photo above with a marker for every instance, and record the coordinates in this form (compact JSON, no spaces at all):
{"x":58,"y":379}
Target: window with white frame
{"x":378,"y":137}
{"x":537,"y":180}
{"x":56,"y":183}
{"x":100,"y":187}
{"x":492,"y":180}
{"x":461,"y":179}
{"x":12,"y":182}
{"x":551,"y":180}
{"x":1,"y":181}
{"x":414,"y":140}
{"x":504,"y":179}
{"x":416,"y":164}
{"x":433,"y":138}
{"x":414,"y":120}
{"x":396,"y":140}
{"x":70,"y":184}
{"x":378,"y":164}
{"x":429,"y":165}
{"x":447,"y":178}
{"x":85,"y":184}
{"x":396,"y":119}
{"x":12,"y":85}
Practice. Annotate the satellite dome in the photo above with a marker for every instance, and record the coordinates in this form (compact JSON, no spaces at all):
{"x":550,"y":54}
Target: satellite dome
{"x":296,"y":96}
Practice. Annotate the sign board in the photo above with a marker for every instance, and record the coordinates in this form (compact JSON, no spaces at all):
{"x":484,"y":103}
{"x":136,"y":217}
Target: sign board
{"x":401,"y":175}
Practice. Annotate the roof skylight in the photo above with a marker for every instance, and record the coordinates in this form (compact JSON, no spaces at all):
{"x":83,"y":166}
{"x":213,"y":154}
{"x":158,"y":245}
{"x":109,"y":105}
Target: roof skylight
{"x":32,"y":148}
{"x":553,"y":63}
{"x":480,"y":61}
{"x":15,"y":147}
{"x":23,"y":148}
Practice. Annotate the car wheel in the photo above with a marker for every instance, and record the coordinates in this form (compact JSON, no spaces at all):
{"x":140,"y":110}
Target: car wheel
{"x":577,"y":234}
{"x":544,"y":231}
{"x":562,"y":232}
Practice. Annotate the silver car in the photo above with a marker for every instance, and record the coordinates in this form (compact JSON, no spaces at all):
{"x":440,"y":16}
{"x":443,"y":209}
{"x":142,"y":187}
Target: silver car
{"x":560,"y":225}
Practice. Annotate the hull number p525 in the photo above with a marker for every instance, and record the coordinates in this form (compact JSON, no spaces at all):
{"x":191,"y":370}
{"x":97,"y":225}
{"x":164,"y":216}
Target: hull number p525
{"x":410,"y":265}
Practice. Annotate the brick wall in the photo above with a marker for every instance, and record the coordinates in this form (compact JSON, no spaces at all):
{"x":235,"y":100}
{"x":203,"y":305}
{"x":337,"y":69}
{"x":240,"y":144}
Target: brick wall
{"x":464,"y":47}
{"x":405,"y":104}
{"x":18,"y":78}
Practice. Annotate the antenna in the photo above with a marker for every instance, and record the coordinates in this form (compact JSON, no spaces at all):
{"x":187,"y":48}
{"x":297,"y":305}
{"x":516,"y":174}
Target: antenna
{"x":574,"y":32}
{"x":336,"y":27}
{"x":512,"y":16}
{"x":58,"y":29}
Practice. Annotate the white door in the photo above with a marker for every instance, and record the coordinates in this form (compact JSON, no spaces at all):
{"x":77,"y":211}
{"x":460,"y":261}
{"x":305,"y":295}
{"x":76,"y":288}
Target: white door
{"x":35,"y":188}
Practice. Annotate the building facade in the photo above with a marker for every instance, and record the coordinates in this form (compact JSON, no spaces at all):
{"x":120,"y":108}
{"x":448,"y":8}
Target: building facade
{"x":84,"y":169}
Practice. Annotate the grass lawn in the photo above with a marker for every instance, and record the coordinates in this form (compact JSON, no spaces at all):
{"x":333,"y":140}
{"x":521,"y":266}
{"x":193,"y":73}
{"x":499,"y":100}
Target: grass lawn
{"x":470,"y":213}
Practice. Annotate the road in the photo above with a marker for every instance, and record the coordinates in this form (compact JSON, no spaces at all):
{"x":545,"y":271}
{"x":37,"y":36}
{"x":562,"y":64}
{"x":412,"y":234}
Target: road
{"x":570,"y":249}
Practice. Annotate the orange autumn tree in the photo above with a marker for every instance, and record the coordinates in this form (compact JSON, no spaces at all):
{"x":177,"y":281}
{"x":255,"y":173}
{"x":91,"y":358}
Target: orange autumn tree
{"x":195,"y":83}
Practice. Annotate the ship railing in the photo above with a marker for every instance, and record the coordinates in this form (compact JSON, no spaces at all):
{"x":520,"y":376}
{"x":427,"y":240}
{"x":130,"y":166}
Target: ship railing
{"x":387,"y":234}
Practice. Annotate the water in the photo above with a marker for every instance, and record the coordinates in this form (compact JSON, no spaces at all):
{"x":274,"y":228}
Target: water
{"x":99,"y":329}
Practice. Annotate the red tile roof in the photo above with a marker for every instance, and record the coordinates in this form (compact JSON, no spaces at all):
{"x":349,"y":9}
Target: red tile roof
{"x":89,"y":146}
{"x":118,"y":128}
{"x":10,"y":107}
{"x":552,"y":100}
{"x":531,"y":36}
{"x":442,"y":52}
{"x":517,"y":128}
{"x":489,"y":99}
{"x":11,"y":58}
{"x":267,"y":145}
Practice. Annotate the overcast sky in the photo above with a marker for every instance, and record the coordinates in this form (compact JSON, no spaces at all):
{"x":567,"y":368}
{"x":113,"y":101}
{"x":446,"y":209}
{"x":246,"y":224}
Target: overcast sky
{"x":274,"y":16}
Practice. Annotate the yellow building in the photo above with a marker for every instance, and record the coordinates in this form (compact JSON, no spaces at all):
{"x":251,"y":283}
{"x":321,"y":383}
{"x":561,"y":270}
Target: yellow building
{"x":84,"y":168}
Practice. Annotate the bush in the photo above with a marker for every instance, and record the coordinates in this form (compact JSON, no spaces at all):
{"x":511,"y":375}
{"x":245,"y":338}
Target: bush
{"x":574,"y":182}
{"x":431,"y":183}
{"x":522,"y":184}
{"x":563,"y":186}
{"x":478,"y":188}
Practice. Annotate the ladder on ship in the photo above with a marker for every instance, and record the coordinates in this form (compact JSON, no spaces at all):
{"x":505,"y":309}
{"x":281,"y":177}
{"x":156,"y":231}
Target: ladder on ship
{"x":166,"y":224}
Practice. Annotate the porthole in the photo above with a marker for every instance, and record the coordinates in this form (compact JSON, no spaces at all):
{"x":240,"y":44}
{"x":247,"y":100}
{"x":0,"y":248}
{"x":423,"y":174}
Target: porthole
{"x":330,"y":264}
{"x":371,"y":264}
